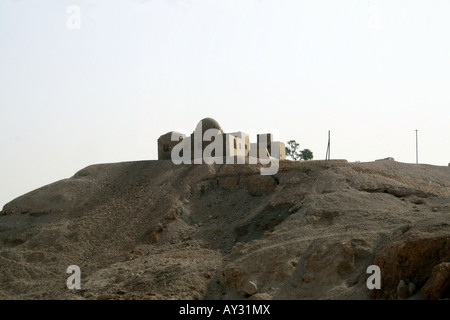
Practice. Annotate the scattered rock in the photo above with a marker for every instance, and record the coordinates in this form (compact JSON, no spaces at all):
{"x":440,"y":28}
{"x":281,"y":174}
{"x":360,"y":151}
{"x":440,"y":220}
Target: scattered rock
{"x":307,"y":278}
{"x":411,"y":288}
{"x":402,"y":290}
{"x":108,"y":297}
{"x":261,"y":296}
{"x":88,"y":295}
{"x":14,"y":242}
{"x":418,"y":201}
{"x":119,"y":278}
{"x":249,"y":288}
{"x":438,"y":284}
{"x":229,"y":183}
{"x":204,"y":187}
{"x":173,"y":214}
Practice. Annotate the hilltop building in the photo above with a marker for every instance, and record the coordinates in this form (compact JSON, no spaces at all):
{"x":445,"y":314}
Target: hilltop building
{"x":235,"y":144}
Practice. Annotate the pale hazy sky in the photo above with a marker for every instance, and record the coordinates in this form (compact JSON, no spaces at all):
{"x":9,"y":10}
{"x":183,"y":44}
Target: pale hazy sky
{"x":370,"y":71}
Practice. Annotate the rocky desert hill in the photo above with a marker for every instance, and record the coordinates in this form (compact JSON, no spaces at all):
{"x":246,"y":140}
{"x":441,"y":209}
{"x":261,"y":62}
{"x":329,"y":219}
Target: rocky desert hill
{"x":154,"y":230}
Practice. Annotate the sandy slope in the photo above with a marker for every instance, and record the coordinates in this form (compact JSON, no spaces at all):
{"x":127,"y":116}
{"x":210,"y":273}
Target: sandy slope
{"x":153,"y":230}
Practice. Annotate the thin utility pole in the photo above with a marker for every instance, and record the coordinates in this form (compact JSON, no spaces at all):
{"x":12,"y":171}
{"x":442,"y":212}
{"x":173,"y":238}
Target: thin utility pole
{"x":327,"y":157}
{"x":417,"y":148}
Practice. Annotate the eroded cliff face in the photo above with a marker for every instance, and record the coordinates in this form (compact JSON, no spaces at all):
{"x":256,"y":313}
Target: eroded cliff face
{"x":154,"y":230}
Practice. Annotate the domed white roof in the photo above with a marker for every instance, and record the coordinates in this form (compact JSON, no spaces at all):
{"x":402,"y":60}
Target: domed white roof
{"x":209,"y":123}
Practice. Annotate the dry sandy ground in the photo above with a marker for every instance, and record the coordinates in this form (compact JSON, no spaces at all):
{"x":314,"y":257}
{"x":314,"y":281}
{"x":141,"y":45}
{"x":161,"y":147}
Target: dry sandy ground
{"x":153,"y":230}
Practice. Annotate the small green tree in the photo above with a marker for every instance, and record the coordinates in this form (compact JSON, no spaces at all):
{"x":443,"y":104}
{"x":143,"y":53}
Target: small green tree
{"x":306,"y":154}
{"x":292,"y":150}
{"x":295,"y":154}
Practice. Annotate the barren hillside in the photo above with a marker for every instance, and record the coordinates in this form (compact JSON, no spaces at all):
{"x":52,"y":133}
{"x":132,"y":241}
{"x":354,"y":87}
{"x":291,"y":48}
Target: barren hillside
{"x":154,"y":230}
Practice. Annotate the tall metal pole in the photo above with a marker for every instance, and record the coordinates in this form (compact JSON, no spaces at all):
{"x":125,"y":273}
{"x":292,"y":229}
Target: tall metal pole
{"x":417,"y":149}
{"x":327,"y":156}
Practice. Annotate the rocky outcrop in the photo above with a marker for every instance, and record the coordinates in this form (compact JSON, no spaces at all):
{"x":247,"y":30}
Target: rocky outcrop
{"x":407,"y":262}
{"x":231,"y":178}
{"x":438,"y":285}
